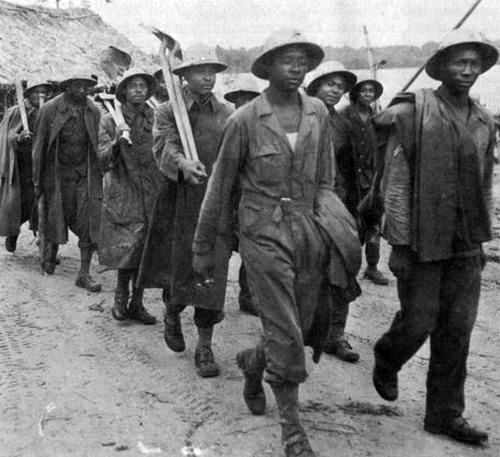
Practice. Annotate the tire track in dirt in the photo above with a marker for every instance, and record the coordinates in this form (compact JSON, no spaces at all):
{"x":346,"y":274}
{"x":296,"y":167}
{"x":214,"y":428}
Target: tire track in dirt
{"x":191,"y":398}
{"x":21,"y":368}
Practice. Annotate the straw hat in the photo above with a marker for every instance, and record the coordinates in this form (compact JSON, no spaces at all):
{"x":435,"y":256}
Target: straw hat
{"x":280,"y":40}
{"x":129,"y":74}
{"x":332,"y":67}
{"x":461,"y":37}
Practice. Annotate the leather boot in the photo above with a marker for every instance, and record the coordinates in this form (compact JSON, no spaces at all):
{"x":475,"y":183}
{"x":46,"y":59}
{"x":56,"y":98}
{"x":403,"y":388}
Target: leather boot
{"x":252,"y":363}
{"x":341,"y":348}
{"x":11,"y":243}
{"x":293,"y":435}
{"x":50,"y":257}
{"x":173,"y":331}
{"x":84,"y":280}
{"x":136,"y":310}
{"x":206,"y":367}
{"x":458,"y":429}
{"x":385,"y":382}
{"x":119,"y":310}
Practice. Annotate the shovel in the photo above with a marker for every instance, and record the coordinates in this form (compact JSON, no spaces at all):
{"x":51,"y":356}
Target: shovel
{"x":175,"y":93}
{"x":114,"y":62}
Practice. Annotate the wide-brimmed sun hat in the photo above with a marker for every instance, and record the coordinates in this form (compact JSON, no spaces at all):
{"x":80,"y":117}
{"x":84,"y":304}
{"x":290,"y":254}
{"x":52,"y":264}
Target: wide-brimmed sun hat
{"x":80,"y":76}
{"x":129,"y":74}
{"x":459,"y":38}
{"x":245,"y":84}
{"x":331,"y":67}
{"x":35,"y":84}
{"x":280,"y":40}
{"x":379,"y":89}
{"x":199,"y":58}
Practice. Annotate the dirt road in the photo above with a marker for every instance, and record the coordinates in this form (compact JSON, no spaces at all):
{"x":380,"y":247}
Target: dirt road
{"x":74,"y":382}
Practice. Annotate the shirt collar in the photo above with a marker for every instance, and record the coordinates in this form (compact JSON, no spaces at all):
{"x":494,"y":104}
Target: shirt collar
{"x":264,"y":108}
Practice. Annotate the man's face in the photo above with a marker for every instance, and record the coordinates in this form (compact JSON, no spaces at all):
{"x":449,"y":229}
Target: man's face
{"x":331,"y":89}
{"x":366,"y":94}
{"x":35,"y":94}
{"x":288,"y":69}
{"x":201,"y":80}
{"x":136,"y":90}
{"x":78,"y":89}
{"x":461,"y":69}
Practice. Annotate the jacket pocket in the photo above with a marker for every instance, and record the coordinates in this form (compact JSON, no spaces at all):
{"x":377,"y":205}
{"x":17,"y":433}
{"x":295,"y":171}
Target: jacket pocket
{"x":269,"y":164}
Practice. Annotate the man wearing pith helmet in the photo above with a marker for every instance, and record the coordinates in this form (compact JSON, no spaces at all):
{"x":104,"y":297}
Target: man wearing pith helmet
{"x":131,"y":186}
{"x":362,"y":171}
{"x":170,"y":264}
{"x":437,"y":195}
{"x":66,"y":172}
{"x":17,"y":195}
{"x":279,"y":148}
{"x":329,"y":82}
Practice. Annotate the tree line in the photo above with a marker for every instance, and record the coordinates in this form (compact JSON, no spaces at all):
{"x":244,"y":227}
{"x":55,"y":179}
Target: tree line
{"x":403,"y":56}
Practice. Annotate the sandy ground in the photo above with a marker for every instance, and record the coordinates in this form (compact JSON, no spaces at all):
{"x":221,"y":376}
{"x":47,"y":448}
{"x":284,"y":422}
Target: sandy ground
{"x":74,"y":382}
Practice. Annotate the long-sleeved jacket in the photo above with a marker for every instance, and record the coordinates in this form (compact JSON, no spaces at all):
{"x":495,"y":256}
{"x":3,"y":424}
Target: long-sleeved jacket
{"x":16,"y":186}
{"x":438,"y":175}
{"x":276,"y":181}
{"x":46,"y":167}
{"x":364,"y":144}
{"x":168,"y":256}
{"x":131,"y":185}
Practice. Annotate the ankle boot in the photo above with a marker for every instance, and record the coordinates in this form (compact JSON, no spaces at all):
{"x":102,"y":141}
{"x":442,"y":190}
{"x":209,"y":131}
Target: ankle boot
{"x":204,"y":361}
{"x":49,"y":251}
{"x":84,"y":280}
{"x":11,"y":243}
{"x":293,"y":435}
{"x":136,"y":310}
{"x":252,"y":363}
{"x":119,"y":310}
{"x":173,"y":331}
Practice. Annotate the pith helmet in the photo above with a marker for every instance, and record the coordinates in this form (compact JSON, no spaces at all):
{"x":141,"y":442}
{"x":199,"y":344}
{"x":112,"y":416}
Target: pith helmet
{"x":280,"y":40}
{"x":131,"y":73}
{"x":332,"y":67}
{"x":379,"y":89}
{"x":461,"y":37}
{"x":244,"y":84}
{"x":197,"y":58}
{"x":36,"y":84}
{"x":80,"y":76}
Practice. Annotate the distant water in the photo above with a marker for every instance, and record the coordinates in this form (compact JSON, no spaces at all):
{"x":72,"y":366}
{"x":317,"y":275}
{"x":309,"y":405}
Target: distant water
{"x":486,"y":89}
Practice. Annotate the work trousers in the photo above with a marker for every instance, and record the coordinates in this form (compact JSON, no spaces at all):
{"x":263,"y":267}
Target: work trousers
{"x":439,"y":300}
{"x":338,"y":317}
{"x":203,"y":318}
{"x":285,"y":261}
{"x":244,"y":297}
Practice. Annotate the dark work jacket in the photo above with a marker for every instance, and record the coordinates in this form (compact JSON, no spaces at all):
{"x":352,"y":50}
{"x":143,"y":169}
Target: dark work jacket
{"x":131,"y":186}
{"x":345,"y":179}
{"x":168,"y":256}
{"x":438,"y":175}
{"x":16,"y":185}
{"x":46,"y":169}
{"x":364,"y":145}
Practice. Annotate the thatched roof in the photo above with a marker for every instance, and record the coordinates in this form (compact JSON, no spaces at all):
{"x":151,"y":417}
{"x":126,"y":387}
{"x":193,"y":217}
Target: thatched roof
{"x":41,"y":43}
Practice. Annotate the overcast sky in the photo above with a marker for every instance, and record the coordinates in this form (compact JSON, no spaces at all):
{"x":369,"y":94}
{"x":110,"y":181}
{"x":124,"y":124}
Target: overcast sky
{"x":237,"y":23}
